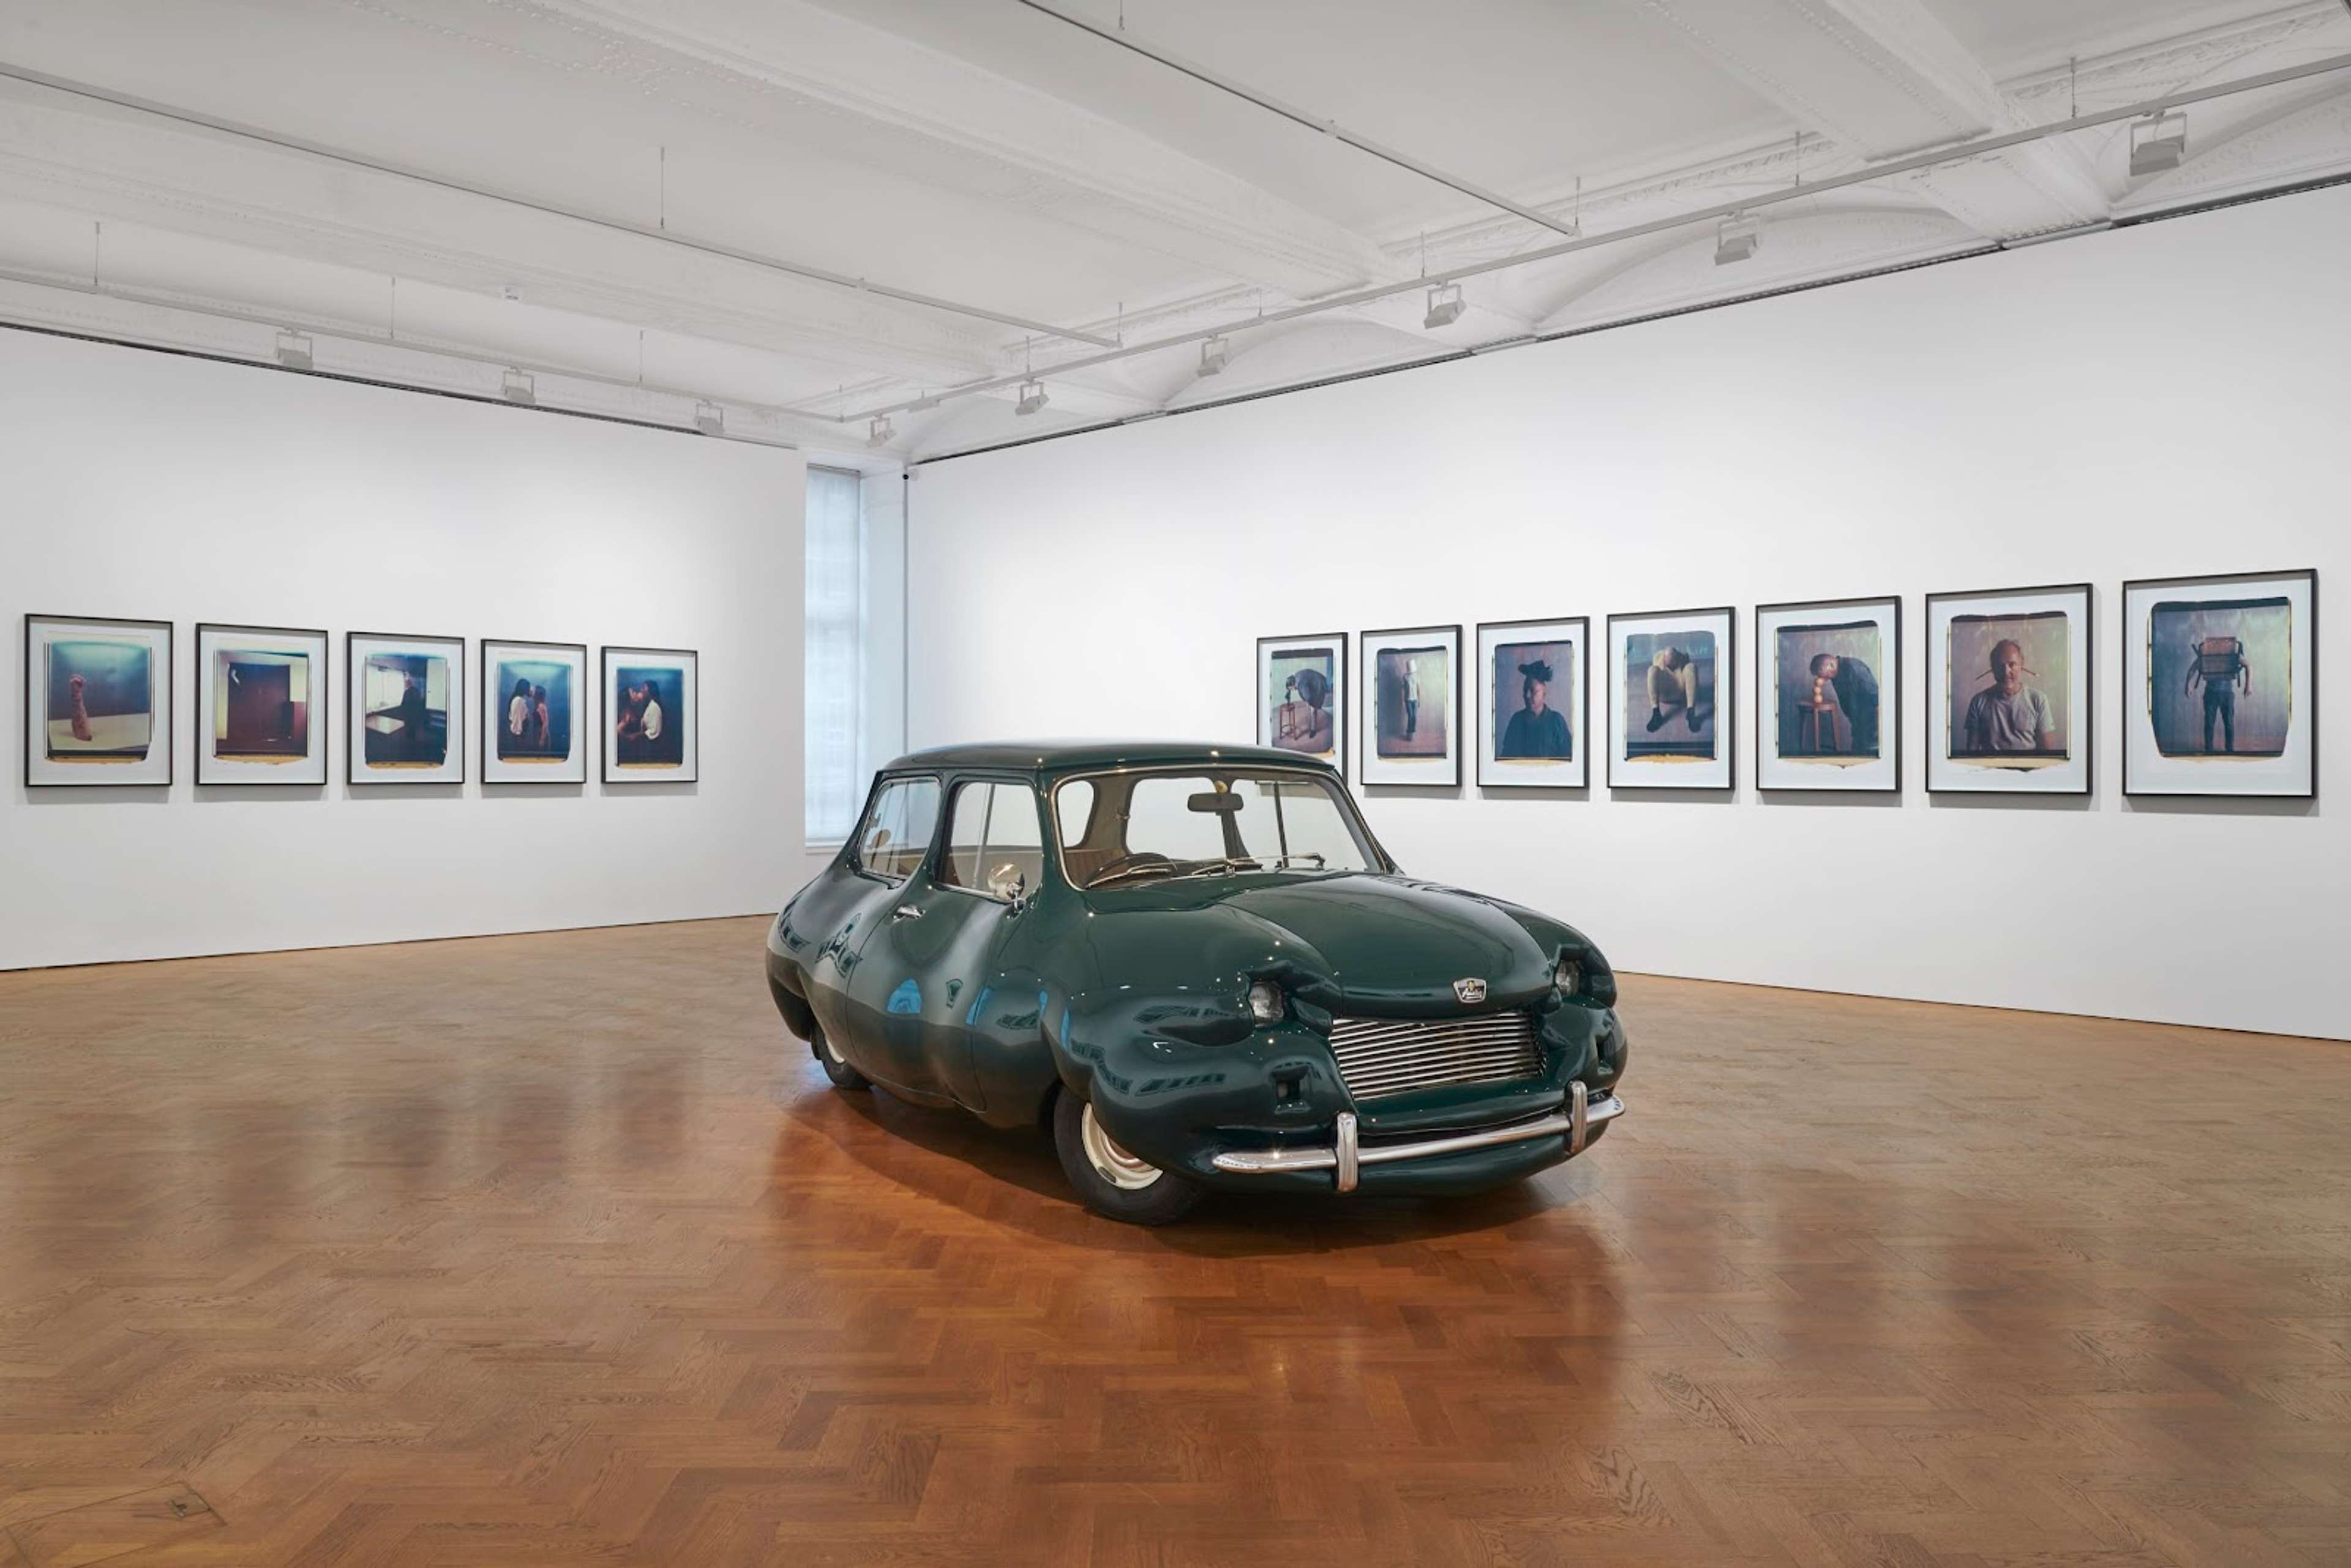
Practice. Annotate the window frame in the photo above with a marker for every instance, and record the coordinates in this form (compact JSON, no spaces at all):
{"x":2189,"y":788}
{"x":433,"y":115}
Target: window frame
{"x":852,"y":851}
{"x":945,"y":846}
{"x":1381,"y":863}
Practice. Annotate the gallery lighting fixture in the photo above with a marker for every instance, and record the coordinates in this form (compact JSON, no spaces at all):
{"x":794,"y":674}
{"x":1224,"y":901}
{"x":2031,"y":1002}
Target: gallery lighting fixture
{"x":1445,"y":307}
{"x":879,"y":433}
{"x":1032,"y":398}
{"x":709,"y":418}
{"x":925,"y":401}
{"x":1212,"y":356}
{"x":2157,"y":142}
{"x":294,"y":351}
{"x":518,"y":387}
{"x":1737,"y":239}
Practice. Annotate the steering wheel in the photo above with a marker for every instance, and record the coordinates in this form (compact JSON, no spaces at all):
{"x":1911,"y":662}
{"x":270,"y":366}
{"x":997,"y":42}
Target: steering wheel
{"x":1128,"y":862}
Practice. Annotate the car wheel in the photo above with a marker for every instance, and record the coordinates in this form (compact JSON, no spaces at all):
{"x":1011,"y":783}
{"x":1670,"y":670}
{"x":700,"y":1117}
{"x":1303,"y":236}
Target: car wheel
{"x":836,"y":1067}
{"x":1113,"y":1182}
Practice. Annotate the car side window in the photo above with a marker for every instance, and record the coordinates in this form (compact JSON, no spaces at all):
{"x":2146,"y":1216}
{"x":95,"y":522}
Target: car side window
{"x":994,"y":844}
{"x":897,"y":830}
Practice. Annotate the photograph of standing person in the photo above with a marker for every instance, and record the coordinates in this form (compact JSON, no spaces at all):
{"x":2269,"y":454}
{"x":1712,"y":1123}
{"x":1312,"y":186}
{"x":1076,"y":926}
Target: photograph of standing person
{"x":650,"y":696}
{"x":535,"y":699}
{"x":1412,"y":687}
{"x":2220,"y":684}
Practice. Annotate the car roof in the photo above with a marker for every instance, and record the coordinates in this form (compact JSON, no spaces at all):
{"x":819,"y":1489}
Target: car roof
{"x":1054,"y":756}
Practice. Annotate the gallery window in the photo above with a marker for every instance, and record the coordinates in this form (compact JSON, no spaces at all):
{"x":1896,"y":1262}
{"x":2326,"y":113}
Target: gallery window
{"x":834,"y":710}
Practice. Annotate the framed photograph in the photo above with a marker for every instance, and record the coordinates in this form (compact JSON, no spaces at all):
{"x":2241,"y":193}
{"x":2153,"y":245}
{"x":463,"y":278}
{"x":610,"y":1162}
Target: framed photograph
{"x":1301,"y":695}
{"x":535,"y":712}
{"x":1828,"y":694}
{"x":97,"y":701}
{"x":1672,"y":679}
{"x":1411,"y":689}
{"x":406,"y":720}
{"x":2008,"y":684}
{"x":652,"y":696}
{"x":2221,"y":685}
{"x":261,"y":713}
{"x":1534,"y":690}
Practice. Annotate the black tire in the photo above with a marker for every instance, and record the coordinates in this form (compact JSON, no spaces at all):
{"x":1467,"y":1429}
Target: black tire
{"x":1166,"y":1197}
{"x":844,"y":1077}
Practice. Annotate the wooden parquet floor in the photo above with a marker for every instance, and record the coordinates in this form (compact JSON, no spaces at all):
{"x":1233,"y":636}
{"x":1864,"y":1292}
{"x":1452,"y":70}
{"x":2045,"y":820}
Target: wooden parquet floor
{"x":552,"y":1249}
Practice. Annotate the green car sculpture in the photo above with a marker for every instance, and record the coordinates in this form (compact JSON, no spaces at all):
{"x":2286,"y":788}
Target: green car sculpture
{"x":1196,"y":966}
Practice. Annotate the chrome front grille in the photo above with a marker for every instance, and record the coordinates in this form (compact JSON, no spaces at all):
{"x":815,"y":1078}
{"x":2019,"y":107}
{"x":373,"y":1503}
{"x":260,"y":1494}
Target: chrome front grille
{"x":1397,"y":1056}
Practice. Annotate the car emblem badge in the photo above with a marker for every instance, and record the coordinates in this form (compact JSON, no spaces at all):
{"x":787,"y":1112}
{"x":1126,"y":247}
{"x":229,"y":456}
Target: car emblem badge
{"x":1469,"y":991}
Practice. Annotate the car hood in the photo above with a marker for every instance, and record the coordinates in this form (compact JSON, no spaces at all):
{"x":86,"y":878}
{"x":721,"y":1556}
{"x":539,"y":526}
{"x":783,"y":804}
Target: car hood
{"x":1359,"y":943}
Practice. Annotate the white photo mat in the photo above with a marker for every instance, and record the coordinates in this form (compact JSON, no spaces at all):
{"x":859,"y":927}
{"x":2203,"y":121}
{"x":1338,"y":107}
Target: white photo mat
{"x":1669,"y":754}
{"x":1831,"y":750}
{"x":104,"y":742}
{"x":665,"y":742}
{"x":264,"y":702}
{"x":1949,"y":692}
{"x":1292,"y":653}
{"x":1501,"y":692}
{"x":2292,"y":770}
{"x":1422,"y":659}
{"x":514,"y":749}
{"x":379,"y":706}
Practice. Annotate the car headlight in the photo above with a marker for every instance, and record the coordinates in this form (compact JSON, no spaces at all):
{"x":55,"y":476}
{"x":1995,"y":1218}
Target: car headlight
{"x":1265,"y":1002}
{"x":1568,"y":976}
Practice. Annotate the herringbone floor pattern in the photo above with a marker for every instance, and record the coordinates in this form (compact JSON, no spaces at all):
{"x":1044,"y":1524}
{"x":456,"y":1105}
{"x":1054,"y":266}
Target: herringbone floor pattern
{"x":551,"y":1250}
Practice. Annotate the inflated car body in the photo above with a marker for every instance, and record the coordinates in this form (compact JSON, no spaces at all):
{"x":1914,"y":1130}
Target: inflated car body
{"x":1204,"y":951}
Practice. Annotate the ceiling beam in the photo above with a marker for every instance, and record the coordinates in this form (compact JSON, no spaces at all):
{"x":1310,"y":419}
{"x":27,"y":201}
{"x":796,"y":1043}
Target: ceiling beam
{"x":92,"y":93}
{"x":1982,"y":147}
{"x":1123,"y":40}
{"x":1884,"y":77}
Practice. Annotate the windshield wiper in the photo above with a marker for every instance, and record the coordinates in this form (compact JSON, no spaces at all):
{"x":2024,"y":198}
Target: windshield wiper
{"x":1112,"y":878}
{"x":1227,"y":863}
{"x":1314,"y":855}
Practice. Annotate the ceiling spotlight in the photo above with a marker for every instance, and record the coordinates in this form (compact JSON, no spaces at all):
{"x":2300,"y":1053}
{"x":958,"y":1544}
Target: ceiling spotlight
{"x":879,"y":433}
{"x":2157,"y":142}
{"x":709,"y":418}
{"x":1445,"y":307}
{"x":1212,"y":356}
{"x":520,"y":387}
{"x":1737,"y":239}
{"x":926,"y":401}
{"x":1032,"y":398}
{"x":294,"y":351}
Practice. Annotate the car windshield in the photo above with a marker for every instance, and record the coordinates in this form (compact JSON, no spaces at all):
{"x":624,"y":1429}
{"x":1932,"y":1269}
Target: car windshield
{"x":1119,"y":828}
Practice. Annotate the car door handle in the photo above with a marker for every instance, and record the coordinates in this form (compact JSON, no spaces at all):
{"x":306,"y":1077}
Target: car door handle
{"x":908,"y":912}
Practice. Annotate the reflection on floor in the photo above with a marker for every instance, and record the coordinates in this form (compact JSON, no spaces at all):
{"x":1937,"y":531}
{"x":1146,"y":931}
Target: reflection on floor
{"x":551,"y":1250}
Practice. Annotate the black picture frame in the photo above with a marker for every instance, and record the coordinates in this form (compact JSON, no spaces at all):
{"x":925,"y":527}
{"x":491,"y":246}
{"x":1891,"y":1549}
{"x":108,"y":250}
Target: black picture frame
{"x":1725,"y":713}
{"x":583,"y":721}
{"x":1937,"y":735}
{"x":323,"y":712}
{"x":1476,"y":650}
{"x":354,"y":718}
{"x":170,"y":655}
{"x":1341,"y":702}
{"x":2124,"y":620}
{"x":1889,"y":722}
{"x":685,"y":775}
{"x":1367,"y":688}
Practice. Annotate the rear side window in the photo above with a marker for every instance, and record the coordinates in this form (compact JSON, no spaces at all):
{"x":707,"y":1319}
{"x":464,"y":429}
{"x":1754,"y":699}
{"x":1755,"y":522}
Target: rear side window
{"x":898,"y":827}
{"x":994,"y":845}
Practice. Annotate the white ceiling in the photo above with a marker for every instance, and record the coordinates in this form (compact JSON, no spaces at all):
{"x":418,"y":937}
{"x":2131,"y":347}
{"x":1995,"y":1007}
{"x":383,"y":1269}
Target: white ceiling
{"x":989,"y":153}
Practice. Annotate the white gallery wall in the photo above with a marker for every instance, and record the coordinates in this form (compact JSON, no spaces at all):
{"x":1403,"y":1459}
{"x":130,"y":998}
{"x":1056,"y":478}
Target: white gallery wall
{"x":150,"y":485}
{"x":2155,"y":401}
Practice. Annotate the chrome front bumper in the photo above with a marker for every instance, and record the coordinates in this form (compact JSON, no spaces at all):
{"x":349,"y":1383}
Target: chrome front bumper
{"x":1347,"y":1157}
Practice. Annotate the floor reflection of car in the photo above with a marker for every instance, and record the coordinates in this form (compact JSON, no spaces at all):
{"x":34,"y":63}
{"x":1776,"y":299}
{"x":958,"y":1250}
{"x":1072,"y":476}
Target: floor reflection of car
{"x":1196,"y":966}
